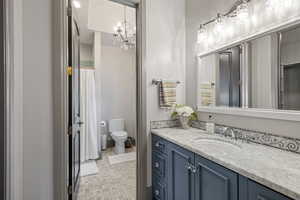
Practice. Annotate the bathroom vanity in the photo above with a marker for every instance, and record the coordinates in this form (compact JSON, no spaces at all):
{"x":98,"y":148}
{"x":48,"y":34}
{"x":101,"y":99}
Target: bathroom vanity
{"x":193,"y":165}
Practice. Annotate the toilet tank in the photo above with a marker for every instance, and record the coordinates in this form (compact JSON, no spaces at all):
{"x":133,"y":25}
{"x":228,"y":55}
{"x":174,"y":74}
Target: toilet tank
{"x":116,"y":125}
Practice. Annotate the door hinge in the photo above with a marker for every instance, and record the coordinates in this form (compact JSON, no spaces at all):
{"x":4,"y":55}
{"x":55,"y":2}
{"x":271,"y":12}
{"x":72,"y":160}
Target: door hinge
{"x":69,"y":71}
{"x":70,"y":131}
{"x":70,"y":190}
{"x":69,"y":11}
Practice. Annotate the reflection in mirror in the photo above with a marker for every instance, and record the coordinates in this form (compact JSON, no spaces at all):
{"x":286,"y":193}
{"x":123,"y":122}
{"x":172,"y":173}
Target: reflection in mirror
{"x":228,"y":76}
{"x":262,"y":73}
{"x":290,"y":70}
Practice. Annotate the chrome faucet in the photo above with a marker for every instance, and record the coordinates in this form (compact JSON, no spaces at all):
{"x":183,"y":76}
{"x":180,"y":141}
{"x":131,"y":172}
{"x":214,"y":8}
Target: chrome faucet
{"x":229,"y":132}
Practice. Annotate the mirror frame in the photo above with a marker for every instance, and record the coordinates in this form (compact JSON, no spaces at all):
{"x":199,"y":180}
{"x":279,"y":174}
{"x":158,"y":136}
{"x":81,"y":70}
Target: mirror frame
{"x":288,"y":115}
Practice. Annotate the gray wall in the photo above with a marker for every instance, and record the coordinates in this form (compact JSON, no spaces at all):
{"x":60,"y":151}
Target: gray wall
{"x":38,"y":100}
{"x":165,"y":55}
{"x":2,"y":106}
{"x":198,"y":12}
{"x":86,"y":52}
{"x":118,"y":86}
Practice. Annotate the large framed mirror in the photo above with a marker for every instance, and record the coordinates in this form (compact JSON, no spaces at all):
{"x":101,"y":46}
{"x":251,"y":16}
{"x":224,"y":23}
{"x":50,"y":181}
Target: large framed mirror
{"x":261,"y":74}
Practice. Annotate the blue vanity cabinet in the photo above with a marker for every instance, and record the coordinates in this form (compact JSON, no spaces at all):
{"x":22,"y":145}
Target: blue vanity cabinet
{"x":250,"y":190}
{"x":159,"y":168}
{"x":180,"y":176}
{"x":214,"y":182}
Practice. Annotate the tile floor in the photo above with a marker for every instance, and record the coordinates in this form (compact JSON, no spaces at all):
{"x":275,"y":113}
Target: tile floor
{"x":113,"y":182}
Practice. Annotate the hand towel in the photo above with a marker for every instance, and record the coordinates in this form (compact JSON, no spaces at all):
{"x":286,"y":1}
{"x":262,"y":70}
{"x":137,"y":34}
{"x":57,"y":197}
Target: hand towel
{"x":167,"y":94}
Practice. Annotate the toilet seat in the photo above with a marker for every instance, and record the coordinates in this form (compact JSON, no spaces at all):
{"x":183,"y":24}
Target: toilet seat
{"x":120,"y":134}
{"x":117,"y":127}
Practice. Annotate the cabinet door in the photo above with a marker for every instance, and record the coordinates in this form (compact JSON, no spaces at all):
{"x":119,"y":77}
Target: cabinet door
{"x":180,"y":179}
{"x":214,"y":182}
{"x":259,"y":192}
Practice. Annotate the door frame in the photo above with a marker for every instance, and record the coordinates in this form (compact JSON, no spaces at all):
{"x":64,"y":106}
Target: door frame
{"x":2,"y":105}
{"x":61,"y":104}
{"x":13,"y":92}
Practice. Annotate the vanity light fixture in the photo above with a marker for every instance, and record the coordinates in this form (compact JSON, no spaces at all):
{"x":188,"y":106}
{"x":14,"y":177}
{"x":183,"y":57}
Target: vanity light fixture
{"x":240,"y":10}
{"x":76,"y":4}
{"x":201,"y":35}
{"x":219,"y":23}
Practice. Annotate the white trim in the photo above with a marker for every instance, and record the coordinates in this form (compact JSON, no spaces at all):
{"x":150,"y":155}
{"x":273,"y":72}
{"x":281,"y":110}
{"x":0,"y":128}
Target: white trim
{"x":60,"y":46}
{"x":271,"y":29}
{"x":14,"y":49}
{"x":252,"y":112}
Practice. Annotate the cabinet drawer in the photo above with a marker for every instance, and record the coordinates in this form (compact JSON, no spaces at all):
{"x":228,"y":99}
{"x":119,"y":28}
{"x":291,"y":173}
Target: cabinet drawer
{"x":159,"y":144}
{"x":159,"y":165}
{"x":158,"y":190}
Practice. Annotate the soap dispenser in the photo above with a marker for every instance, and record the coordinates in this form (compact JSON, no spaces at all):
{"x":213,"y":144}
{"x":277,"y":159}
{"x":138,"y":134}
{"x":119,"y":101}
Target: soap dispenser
{"x":210,"y":125}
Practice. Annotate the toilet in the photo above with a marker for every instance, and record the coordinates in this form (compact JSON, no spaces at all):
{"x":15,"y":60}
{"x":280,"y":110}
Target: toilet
{"x":119,"y":135}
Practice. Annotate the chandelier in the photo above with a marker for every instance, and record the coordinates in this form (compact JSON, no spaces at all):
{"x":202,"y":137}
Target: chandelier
{"x":125,"y":33}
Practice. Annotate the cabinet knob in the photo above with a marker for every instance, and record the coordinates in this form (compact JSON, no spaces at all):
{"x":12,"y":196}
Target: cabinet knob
{"x":191,"y":168}
{"x":157,"y":144}
{"x":194,"y":169}
{"x":156,"y":164}
{"x":156,"y":192}
{"x":188,"y":167}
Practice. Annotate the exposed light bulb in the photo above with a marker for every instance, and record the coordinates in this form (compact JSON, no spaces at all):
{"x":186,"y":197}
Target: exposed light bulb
{"x":76,"y":4}
{"x":219,"y":23}
{"x":279,"y":4}
{"x":242,"y":11}
{"x":116,"y":29}
{"x":201,"y":35}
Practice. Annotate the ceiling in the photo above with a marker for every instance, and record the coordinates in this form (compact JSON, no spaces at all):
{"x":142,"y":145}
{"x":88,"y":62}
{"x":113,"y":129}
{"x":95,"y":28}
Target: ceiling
{"x":101,"y":16}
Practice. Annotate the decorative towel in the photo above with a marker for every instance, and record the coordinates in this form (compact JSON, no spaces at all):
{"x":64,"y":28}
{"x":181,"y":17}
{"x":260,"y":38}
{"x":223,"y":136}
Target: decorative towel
{"x":167,"y":94}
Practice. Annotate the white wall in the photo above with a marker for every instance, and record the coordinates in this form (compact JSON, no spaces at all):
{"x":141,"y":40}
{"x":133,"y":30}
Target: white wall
{"x":38,"y":101}
{"x":118,"y":86}
{"x":86,"y":52}
{"x":165,"y":54}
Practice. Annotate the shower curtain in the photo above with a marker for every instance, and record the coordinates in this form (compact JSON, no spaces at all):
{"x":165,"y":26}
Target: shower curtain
{"x":89,"y":137}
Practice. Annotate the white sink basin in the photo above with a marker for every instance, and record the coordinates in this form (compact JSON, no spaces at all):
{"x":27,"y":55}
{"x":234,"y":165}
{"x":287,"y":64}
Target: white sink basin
{"x":218,"y":142}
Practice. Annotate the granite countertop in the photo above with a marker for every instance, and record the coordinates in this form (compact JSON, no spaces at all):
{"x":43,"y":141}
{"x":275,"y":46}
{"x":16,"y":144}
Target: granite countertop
{"x":274,"y":168}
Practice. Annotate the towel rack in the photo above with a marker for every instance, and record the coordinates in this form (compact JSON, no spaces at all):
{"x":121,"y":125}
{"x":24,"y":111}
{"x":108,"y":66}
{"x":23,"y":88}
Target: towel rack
{"x":158,"y":81}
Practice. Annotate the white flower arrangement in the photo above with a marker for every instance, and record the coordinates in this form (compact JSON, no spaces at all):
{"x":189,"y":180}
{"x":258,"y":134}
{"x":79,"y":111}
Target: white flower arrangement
{"x":184,"y":111}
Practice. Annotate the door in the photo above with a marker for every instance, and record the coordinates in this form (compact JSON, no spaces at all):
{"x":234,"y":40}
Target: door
{"x":223,"y":96}
{"x":229,"y":78}
{"x":74,"y":105}
{"x":181,"y":175}
{"x":259,"y":192}
{"x":291,"y":87}
{"x":214,"y":182}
